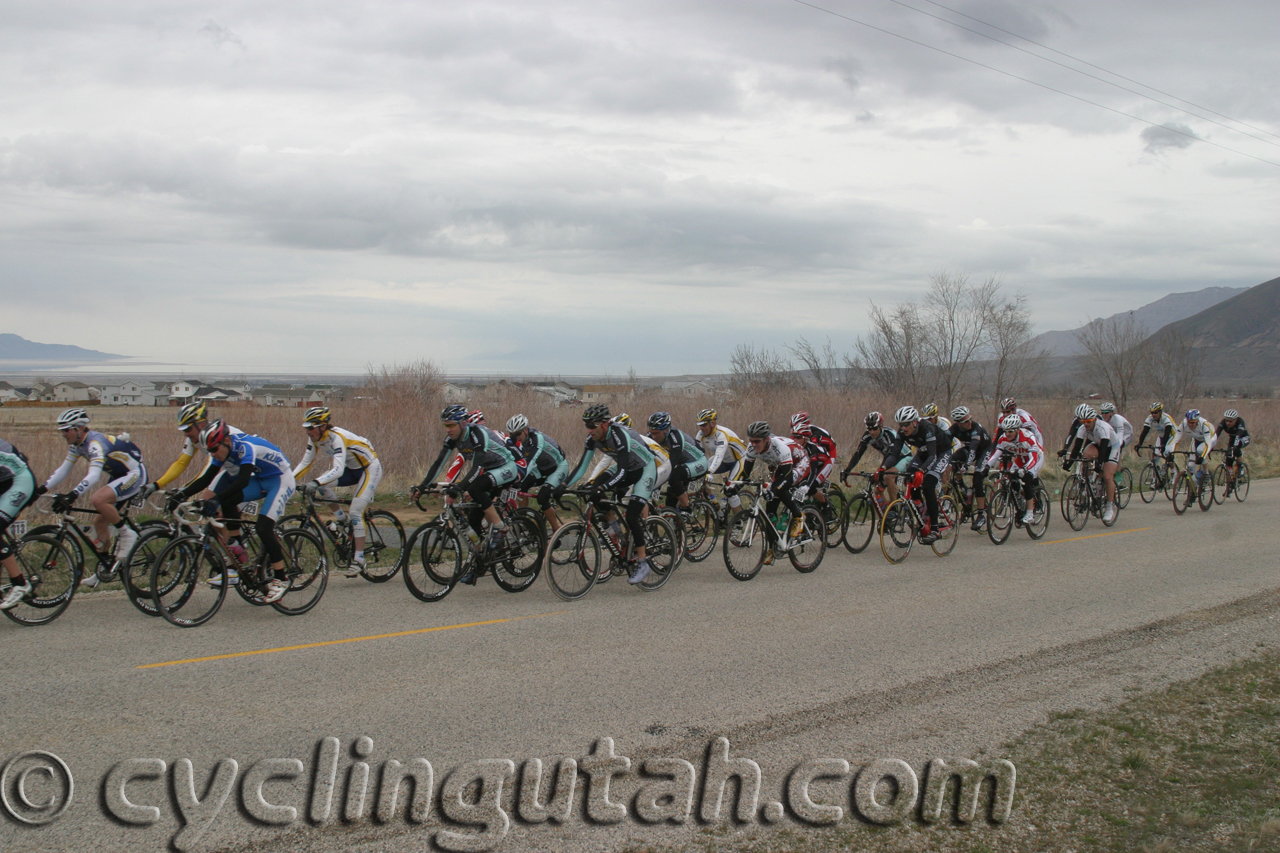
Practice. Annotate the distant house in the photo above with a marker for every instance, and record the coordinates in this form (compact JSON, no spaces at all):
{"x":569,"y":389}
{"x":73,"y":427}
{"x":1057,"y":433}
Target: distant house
{"x":452,"y":393}
{"x":607,"y":393}
{"x":183,"y":392}
{"x":132,"y":394}
{"x":69,"y":392}
{"x":686,"y":388}
{"x":560,"y":392}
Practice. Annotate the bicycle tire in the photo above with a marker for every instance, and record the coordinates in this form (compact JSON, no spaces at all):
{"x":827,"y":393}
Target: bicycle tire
{"x":1220,"y":484}
{"x":307,"y":569}
{"x":1124,"y":488}
{"x":1242,"y":483}
{"x":1040,"y":520}
{"x":51,"y":569}
{"x":1183,"y":493}
{"x":1170,"y":479}
{"x":1205,"y":496}
{"x":662,"y":550}
{"x":745,"y":544}
{"x":1148,"y":483}
{"x":432,"y":575}
{"x":521,"y":557}
{"x":948,"y":526}
{"x":859,"y":523}
{"x":573,"y":561}
{"x":180,"y":582}
{"x":703,"y":531}
{"x":384,"y":543}
{"x":135,"y":573}
{"x":1076,"y":502}
{"x":66,"y":538}
{"x":807,"y":552}
{"x":898,"y":530}
{"x":1000,"y":517}
{"x":677,"y":527}
{"x":832,"y":514}
{"x":297,"y":519}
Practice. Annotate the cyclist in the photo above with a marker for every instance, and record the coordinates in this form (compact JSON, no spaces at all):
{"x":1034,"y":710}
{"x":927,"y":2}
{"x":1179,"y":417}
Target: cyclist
{"x":688,"y":462}
{"x":1103,"y":450}
{"x":354,"y":464}
{"x":17,"y":489}
{"x":931,"y":456}
{"x":725,"y":452}
{"x":1233,"y":425}
{"x":878,"y":437}
{"x":249,"y":468}
{"x":1166,"y":427}
{"x":1009,"y":406}
{"x":117,"y":457}
{"x":493,"y":465}
{"x":821,"y":448}
{"x":192,"y":420}
{"x":605,"y":467}
{"x":546,"y":465}
{"x":789,"y":462}
{"x":635,"y":476}
{"x":1203,"y":437}
{"x":1120,"y":424}
{"x":974,"y":443}
{"x":1018,"y":450}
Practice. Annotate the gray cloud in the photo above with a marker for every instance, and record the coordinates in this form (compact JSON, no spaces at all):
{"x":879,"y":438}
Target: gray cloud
{"x":1169,"y":135}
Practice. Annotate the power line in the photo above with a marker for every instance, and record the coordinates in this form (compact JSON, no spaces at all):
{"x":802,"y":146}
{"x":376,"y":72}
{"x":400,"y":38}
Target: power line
{"x":1035,"y":83}
{"x":1100,"y":68}
{"x":1086,"y":73}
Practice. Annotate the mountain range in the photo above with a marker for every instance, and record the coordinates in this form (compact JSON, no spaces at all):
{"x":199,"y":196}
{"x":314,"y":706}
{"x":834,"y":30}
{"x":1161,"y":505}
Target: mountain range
{"x":1240,"y":336}
{"x":17,"y":348}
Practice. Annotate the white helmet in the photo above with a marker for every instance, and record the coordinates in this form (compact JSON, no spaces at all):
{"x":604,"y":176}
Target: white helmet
{"x":73,"y":418}
{"x":1107,"y":408}
{"x":1084,"y":412}
{"x":517,"y":423}
{"x":1011,"y":422}
{"x":906,"y":415}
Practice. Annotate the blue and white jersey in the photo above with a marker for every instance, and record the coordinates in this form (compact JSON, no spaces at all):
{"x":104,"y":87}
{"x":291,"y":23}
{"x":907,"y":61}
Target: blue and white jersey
{"x":257,"y":451}
{"x":115,"y":455}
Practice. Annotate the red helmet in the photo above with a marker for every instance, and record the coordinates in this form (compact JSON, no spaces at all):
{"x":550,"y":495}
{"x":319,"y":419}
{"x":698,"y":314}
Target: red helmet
{"x":475,"y":417}
{"x":800,"y":423}
{"x":214,"y":434}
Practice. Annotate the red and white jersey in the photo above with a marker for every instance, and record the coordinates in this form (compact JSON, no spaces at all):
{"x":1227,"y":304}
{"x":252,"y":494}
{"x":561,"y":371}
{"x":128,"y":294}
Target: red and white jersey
{"x":781,"y":451}
{"x":1029,"y":423}
{"x":1022,"y":450}
{"x":818,"y":442}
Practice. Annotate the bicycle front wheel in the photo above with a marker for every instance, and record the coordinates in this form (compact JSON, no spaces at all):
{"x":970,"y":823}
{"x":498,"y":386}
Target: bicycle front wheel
{"x":573,"y":560}
{"x":306,"y":568}
{"x":1242,"y":483}
{"x":662,"y":550}
{"x":383,"y":546}
{"x":999,"y":517}
{"x":516,"y":567}
{"x":1205,"y":493}
{"x":432,"y":575}
{"x":898,"y":529}
{"x":745,"y":544}
{"x":948,"y":526}
{"x":1184,"y":492}
{"x":859,"y":523}
{"x":135,"y":574}
{"x":188,"y":582}
{"x":1040,"y":519}
{"x":808,"y":548}
{"x":1149,"y":483}
{"x":1076,"y":502}
{"x":1220,"y":475}
{"x":52,"y":570}
{"x":701,"y":531}
{"x":1124,"y":487}
{"x":832,"y":514}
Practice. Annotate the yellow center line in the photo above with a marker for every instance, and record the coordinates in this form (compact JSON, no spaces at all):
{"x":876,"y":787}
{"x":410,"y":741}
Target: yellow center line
{"x":1097,"y":535}
{"x":348,"y":640}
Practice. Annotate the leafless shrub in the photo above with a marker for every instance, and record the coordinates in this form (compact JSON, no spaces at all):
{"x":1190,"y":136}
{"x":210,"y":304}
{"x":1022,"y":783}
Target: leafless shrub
{"x":1171,"y":365}
{"x":1112,"y":359}
{"x":753,"y":370}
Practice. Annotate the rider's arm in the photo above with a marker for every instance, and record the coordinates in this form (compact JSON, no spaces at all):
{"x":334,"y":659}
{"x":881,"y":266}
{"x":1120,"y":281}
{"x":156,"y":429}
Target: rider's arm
{"x":202,"y":482}
{"x":857,"y":454}
{"x":96,"y":460}
{"x":435,"y":466}
{"x":179,"y":467}
{"x":232,"y":485}
{"x":61,"y":472}
{"x":747,"y":467}
{"x":1143,"y":435}
{"x":339,"y":466}
{"x":578,"y":470}
{"x":722,"y":447}
{"x":307,"y":458}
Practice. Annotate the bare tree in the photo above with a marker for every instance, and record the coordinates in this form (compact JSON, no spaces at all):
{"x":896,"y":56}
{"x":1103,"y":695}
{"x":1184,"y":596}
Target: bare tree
{"x":754,"y":369}
{"x":414,"y":384}
{"x":1112,"y":357}
{"x":891,"y":356}
{"x":1171,"y":365}
{"x":956,"y":319}
{"x":821,"y":363}
{"x":1013,"y":362}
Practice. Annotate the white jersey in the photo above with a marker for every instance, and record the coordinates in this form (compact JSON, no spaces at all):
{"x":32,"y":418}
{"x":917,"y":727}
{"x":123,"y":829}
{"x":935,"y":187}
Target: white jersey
{"x":783,"y":451}
{"x":1023,"y":449}
{"x":721,"y":446}
{"x":1029,"y":424}
{"x":348,"y":451}
{"x":1122,"y":427}
{"x":1101,"y":432}
{"x":1201,"y":432}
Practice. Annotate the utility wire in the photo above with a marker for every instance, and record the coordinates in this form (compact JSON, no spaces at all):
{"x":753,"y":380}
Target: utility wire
{"x":1087,"y":74}
{"x":1100,"y":68}
{"x":1034,"y":83}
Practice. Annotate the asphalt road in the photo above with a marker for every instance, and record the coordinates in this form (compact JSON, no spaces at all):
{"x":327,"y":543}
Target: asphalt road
{"x":859,"y":660}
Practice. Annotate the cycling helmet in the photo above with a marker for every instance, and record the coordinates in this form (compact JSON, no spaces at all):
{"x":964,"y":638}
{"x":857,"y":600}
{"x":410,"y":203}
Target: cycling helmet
{"x":517,"y":423}
{"x":192,"y":414}
{"x":874,"y":420}
{"x":1231,"y":414}
{"x":455,"y":414}
{"x":624,"y":419}
{"x":1008,"y":404}
{"x":1083,"y":409}
{"x":758,"y":429}
{"x":960,"y":413}
{"x":595,"y":413}
{"x":316,"y":416}
{"x":706,"y":416}
{"x":1193,"y":415}
{"x":1107,"y":408}
{"x":475,"y":417}
{"x":214,"y":434}
{"x":660,"y":420}
{"x":930,"y":410}
{"x":1011,"y":422}
{"x":73,"y":418}
{"x":1156,"y":408}
{"x":800,"y":422}
{"x":6,"y":478}
{"x":906,"y":415}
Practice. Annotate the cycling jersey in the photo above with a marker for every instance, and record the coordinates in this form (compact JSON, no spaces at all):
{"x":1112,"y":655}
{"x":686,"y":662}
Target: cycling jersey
{"x":1101,"y":436}
{"x":1238,"y":435}
{"x":885,"y":442}
{"x":20,"y":491}
{"x":944,"y":426}
{"x":544,"y":460}
{"x":255,"y":469}
{"x":487,"y":451}
{"x":661,"y":461}
{"x":783,"y":456}
{"x":929,"y":449}
{"x":1167,"y":430}
{"x":1030,"y":423}
{"x":725,"y":452}
{"x":1022,"y":450}
{"x":1123,"y":428}
{"x":973,"y":442}
{"x":184,"y":460}
{"x":684,"y":450}
{"x":1202,"y":438}
{"x":349,"y":452}
{"x":117,"y":457}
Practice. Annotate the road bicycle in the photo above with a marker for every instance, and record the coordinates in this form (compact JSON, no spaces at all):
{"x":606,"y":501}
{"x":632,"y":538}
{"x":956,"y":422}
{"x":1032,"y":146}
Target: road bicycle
{"x":832,"y":510}
{"x":1156,"y":476}
{"x":903,"y":523}
{"x":1193,"y":487}
{"x":447,"y":551}
{"x":575,"y":554}
{"x":383,"y":539}
{"x":862,"y":514}
{"x":961,"y":491}
{"x":752,"y":539}
{"x":48,"y":565}
{"x":189,"y":578}
{"x":1225,"y":485}
{"x":1085,"y":494}
{"x":1006,"y":505}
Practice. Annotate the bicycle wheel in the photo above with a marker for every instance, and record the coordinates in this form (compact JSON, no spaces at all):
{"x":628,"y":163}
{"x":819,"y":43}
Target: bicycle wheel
{"x":1242,"y":483}
{"x":307,"y":569}
{"x":859,"y":523}
{"x":1040,"y":520}
{"x":431,"y":576}
{"x":1076,"y":502}
{"x":999,"y":517}
{"x":180,"y":582}
{"x":65,"y":538}
{"x":1124,"y":487}
{"x":383,"y":546}
{"x":662,"y":550}
{"x":516,"y":566}
{"x":297,"y":519}
{"x":898,"y":529}
{"x":948,"y":526}
{"x":1148,"y":483}
{"x":808,"y":548}
{"x":51,"y":568}
{"x":1220,"y":484}
{"x":573,"y":560}
{"x":135,"y":571}
{"x":1170,"y":480}
{"x":677,"y":527}
{"x":745,"y":544}
{"x":1184,"y":493}
{"x":832,"y":514}
{"x":701,"y":531}
{"x":1205,"y":491}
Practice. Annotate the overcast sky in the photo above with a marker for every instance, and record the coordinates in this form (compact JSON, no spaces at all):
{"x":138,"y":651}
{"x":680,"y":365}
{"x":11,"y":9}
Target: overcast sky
{"x":582,"y":186}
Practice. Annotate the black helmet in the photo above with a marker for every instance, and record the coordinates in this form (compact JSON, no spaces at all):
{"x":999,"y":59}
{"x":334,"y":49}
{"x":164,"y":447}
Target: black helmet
{"x":758,"y":429}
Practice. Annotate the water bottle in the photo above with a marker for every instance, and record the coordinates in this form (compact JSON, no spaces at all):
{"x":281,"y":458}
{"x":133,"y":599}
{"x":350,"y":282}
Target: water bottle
{"x":241,"y":555}
{"x":472,"y":536}
{"x":333,"y":527}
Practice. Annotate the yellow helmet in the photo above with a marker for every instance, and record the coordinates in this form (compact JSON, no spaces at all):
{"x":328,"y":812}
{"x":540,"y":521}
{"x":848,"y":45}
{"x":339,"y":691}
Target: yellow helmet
{"x":706,"y":416}
{"x":192,"y":414}
{"x":316,"y":416}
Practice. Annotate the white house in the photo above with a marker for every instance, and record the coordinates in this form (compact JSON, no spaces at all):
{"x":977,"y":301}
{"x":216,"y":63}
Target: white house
{"x":183,"y":392}
{"x":606,"y":393}
{"x":132,"y":394}
{"x":70,"y":392}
